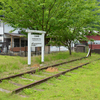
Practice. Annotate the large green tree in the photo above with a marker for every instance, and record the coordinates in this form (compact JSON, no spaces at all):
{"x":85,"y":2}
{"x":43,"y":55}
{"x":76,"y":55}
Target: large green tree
{"x":33,"y":14}
{"x":61,"y":19}
{"x":84,"y":18}
{"x":47,"y":15}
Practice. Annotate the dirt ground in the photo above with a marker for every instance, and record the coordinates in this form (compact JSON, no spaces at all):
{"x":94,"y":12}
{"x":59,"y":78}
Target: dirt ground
{"x":36,"y":66}
{"x":52,"y":69}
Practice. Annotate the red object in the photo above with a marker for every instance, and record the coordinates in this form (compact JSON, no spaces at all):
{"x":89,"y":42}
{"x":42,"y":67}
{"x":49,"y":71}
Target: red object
{"x":17,"y":49}
{"x":97,"y":37}
{"x":94,"y":46}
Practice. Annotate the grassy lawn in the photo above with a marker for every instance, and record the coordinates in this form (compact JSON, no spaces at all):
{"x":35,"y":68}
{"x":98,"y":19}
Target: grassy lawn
{"x":81,"y":84}
{"x":10,"y":65}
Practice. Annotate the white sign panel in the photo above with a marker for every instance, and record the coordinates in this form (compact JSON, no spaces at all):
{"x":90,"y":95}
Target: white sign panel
{"x":37,"y":40}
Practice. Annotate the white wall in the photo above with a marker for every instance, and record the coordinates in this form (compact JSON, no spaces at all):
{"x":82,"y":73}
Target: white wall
{"x":1,"y":31}
{"x":1,"y":38}
{"x":5,"y":28}
{"x":94,"y":42}
{"x":1,"y":28}
{"x":8,"y":28}
{"x":55,"y":48}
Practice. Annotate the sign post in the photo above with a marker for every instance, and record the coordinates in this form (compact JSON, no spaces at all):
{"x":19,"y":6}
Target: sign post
{"x":29,"y":48}
{"x":42,"y":50}
{"x":35,"y":40}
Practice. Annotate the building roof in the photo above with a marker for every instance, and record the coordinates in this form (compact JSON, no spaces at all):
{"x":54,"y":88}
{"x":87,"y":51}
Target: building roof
{"x":15,"y":34}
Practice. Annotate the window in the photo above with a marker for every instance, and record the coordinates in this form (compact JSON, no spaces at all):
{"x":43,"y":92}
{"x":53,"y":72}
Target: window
{"x":1,"y":35}
{"x":94,"y":42}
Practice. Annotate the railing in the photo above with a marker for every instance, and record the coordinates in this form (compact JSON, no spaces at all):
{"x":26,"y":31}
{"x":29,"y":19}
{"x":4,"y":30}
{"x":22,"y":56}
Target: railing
{"x":17,"y":49}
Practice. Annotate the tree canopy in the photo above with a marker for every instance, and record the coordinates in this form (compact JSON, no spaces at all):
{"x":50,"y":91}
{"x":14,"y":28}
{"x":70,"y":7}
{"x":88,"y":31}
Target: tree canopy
{"x":47,"y":15}
{"x":33,"y":14}
{"x":61,"y":19}
{"x":84,"y":19}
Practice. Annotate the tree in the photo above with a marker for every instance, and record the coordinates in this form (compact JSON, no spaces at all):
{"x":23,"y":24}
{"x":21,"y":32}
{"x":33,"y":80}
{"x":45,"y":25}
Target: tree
{"x":80,"y":23}
{"x":64,"y":19}
{"x":44,"y":15}
{"x":32,"y":14}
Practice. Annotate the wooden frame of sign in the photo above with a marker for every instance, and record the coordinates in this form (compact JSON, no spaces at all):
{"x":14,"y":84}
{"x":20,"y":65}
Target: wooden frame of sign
{"x":35,"y":40}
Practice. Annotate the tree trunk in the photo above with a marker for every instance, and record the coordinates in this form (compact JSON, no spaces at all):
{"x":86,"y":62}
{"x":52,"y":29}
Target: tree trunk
{"x":69,"y":48}
{"x":59,"y":48}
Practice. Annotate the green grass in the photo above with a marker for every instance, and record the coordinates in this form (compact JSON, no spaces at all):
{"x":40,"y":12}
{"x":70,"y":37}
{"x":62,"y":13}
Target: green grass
{"x":10,"y":65}
{"x":81,"y":84}
{"x":43,"y":74}
{"x":59,"y":56}
{"x":8,"y":96}
{"x":8,"y":86}
{"x":22,"y":81}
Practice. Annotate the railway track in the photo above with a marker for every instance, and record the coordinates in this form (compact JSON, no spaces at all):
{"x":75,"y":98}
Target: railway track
{"x":33,"y":71}
{"x":17,"y":90}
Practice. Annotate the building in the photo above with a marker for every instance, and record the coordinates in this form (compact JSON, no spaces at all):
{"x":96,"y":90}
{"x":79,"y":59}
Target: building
{"x":16,"y":42}
{"x":96,"y":43}
{"x":10,"y":40}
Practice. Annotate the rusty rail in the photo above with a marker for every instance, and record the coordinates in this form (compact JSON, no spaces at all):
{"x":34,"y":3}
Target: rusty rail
{"x":45,"y":79}
{"x":33,"y":71}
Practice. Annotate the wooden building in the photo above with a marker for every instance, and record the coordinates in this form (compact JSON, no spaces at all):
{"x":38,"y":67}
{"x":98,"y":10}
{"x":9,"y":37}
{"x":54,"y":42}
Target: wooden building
{"x":96,"y":43}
